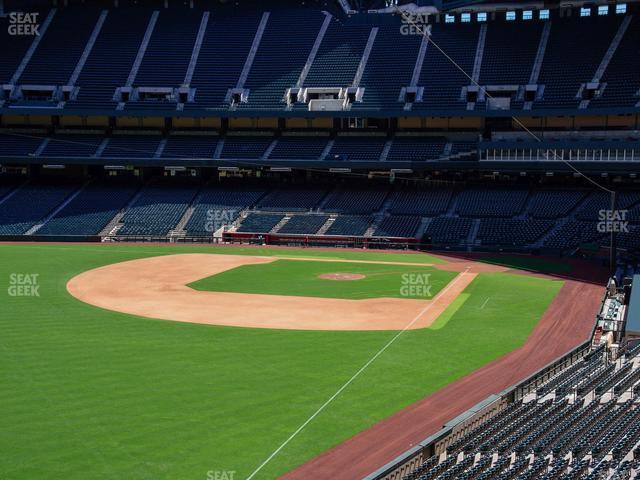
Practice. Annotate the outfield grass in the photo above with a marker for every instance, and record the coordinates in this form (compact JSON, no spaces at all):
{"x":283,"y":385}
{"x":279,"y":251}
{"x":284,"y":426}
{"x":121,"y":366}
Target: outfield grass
{"x":89,"y":393}
{"x":528,"y":263}
{"x":302,"y":278}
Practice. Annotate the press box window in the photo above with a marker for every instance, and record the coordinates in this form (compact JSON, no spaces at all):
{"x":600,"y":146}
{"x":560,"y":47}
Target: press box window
{"x":544,"y":14}
{"x":465,"y":17}
{"x":482,"y":16}
{"x":449,"y":18}
{"x":527,"y":15}
{"x":585,"y":12}
{"x":511,"y":16}
{"x":621,"y":8}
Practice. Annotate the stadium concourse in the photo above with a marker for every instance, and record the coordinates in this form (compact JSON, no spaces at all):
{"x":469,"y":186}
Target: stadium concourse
{"x":493,"y":148}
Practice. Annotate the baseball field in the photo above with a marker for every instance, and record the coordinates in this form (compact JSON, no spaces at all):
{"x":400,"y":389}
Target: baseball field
{"x":99,"y":382}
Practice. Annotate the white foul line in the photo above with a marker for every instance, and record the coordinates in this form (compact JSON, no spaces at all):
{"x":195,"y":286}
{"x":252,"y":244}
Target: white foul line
{"x":357,"y":374}
{"x":485,"y":302}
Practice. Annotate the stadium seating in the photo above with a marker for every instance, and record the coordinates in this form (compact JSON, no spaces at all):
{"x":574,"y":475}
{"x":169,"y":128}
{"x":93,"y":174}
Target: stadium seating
{"x":491,"y":203}
{"x":355,"y":201}
{"x":246,"y":147}
{"x":292,"y":199}
{"x":190,"y":146}
{"x":531,"y":439}
{"x":576,"y":55}
{"x":131,"y":146}
{"x":416,"y":149}
{"x":553,"y":204}
{"x":260,"y":222}
{"x":303,"y":224}
{"x":357,"y":149}
{"x":31,"y":203}
{"x":299,"y":148}
{"x":55,"y":59}
{"x":104,"y":72}
{"x":449,"y":230}
{"x":349,"y":225}
{"x":72,"y":146}
{"x":512,"y":232}
{"x":428,"y":202}
{"x":398,"y":226}
{"x":157,"y":209}
{"x":216,"y":207}
{"x":90,"y":211}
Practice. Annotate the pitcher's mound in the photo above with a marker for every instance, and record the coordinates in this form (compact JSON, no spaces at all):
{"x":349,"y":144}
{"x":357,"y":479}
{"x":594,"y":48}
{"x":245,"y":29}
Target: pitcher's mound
{"x":341,"y":276}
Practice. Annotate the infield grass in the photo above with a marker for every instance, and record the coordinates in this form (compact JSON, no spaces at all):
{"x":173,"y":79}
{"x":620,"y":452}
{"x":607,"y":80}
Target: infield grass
{"x":302,"y":278}
{"x":87,"y":393}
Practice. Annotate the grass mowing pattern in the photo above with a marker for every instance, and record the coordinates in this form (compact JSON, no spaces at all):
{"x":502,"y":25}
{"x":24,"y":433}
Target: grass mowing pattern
{"x":300,"y":278}
{"x":89,"y":393}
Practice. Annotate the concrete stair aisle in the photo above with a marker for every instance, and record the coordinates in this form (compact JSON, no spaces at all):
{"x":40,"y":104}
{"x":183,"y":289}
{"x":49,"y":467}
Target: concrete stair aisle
{"x":115,"y":223}
{"x":527,"y":203}
{"x":424,"y":224}
{"x":453,"y":204}
{"x":327,"y":225}
{"x":178,"y":230}
{"x":280,"y":224}
{"x":471,"y":239}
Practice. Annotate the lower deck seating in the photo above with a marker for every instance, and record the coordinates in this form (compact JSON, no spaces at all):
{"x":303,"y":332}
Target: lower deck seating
{"x":428,"y":202}
{"x":355,"y":225}
{"x":157,"y":210}
{"x":260,"y":222}
{"x":511,"y":231}
{"x":303,"y":224}
{"x":31,"y":203}
{"x":449,"y":230}
{"x":90,"y":211}
{"x":553,"y":204}
{"x":402,"y":226}
{"x":217,"y":207}
{"x":574,"y":233}
{"x":491,"y":203}
{"x":292,"y":199}
{"x":355,"y":201}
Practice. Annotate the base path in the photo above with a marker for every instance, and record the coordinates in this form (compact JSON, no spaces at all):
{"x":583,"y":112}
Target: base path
{"x":567,"y":322}
{"x":156,"y":287}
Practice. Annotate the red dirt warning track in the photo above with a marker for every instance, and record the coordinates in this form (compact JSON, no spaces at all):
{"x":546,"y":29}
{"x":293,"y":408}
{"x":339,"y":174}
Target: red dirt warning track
{"x":566,"y":323}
